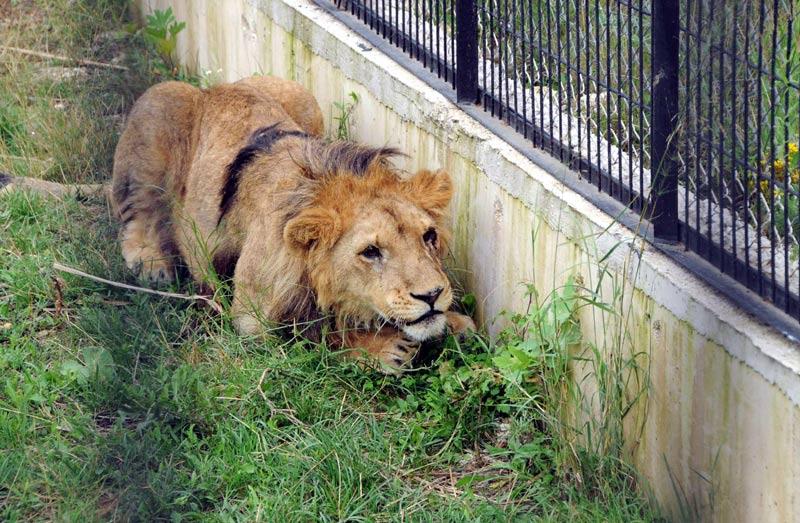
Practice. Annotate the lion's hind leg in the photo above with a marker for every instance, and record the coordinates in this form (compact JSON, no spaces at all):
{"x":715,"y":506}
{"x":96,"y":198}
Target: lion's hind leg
{"x":145,"y":183}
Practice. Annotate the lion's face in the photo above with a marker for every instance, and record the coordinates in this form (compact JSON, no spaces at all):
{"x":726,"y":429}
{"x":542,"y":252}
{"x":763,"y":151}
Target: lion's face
{"x":388,"y":264}
{"x":374,"y":250}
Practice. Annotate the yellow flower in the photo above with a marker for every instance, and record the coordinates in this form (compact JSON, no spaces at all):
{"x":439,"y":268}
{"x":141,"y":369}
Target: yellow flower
{"x":780,"y":167}
{"x":796,"y":175}
{"x":793,"y":148}
{"x":764,"y":184}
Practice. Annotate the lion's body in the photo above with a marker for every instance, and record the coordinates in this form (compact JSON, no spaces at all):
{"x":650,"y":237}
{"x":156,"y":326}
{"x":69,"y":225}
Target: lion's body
{"x":170,"y":163}
{"x":237,"y":179}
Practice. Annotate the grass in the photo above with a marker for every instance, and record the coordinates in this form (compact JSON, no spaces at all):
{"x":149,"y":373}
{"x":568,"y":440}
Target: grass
{"x":116,"y":405}
{"x":343,"y":116}
{"x":59,"y":121}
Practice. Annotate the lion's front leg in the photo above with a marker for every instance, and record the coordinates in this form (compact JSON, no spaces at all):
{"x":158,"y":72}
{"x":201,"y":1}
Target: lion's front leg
{"x":249,"y":310}
{"x":387,"y":346}
{"x":268,"y":285}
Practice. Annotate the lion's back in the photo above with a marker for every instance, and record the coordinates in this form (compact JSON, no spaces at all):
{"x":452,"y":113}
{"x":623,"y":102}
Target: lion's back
{"x":295,"y":99}
{"x":153,"y":144}
{"x":175,"y":126}
{"x":232,"y":114}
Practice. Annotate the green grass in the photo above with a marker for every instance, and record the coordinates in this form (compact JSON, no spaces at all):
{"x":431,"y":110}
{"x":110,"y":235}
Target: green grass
{"x":59,"y":121}
{"x":117,"y":405}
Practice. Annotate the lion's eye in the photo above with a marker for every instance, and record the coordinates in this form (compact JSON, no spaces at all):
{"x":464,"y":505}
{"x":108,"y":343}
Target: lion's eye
{"x":430,"y":236}
{"x":371,"y":253}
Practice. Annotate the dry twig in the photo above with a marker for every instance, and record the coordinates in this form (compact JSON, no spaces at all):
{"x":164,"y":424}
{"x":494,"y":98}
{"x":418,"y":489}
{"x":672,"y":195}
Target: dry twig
{"x":194,"y":297}
{"x":288,"y":413}
{"x":80,"y":61}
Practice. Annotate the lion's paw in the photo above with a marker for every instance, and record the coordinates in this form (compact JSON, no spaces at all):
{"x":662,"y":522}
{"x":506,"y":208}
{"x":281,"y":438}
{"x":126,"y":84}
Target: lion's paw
{"x":151,"y":266}
{"x":156,"y":273}
{"x":246,"y":324}
{"x":459,"y":324}
{"x":396,"y":354}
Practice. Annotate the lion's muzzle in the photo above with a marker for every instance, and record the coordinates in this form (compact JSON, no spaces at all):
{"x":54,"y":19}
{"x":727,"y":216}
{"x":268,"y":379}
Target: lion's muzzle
{"x":425,"y":317}
{"x":429,"y":325}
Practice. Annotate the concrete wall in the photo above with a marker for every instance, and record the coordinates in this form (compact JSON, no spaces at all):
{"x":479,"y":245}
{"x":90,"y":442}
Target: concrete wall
{"x":721,"y":417}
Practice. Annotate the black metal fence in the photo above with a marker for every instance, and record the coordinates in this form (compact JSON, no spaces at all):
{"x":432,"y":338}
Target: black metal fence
{"x":686,"y":111}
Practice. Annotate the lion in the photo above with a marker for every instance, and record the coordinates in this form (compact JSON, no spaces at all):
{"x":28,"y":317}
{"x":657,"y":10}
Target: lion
{"x":237,"y":180}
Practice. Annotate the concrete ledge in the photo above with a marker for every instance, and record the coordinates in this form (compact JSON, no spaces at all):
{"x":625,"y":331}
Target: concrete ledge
{"x":723,"y":413}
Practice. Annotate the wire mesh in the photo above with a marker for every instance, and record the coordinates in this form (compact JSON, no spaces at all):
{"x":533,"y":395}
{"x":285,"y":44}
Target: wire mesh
{"x":740,"y":124}
{"x":424,"y":29}
{"x":574,"y":77}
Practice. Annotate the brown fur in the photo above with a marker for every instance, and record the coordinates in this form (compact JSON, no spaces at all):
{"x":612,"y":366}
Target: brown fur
{"x":299,"y":216}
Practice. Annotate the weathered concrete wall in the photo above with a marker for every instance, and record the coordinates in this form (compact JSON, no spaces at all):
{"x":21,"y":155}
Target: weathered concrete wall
{"x":721,"y":417}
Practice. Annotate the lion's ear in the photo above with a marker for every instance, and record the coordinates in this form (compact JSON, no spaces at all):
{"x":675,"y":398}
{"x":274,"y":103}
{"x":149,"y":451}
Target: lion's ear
{"x":431,"y":190}
{"x":316,"y":226}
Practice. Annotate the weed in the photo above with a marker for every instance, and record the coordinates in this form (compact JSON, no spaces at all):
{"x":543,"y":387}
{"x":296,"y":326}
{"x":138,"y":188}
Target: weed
{"x":169,"y":412}
{"x":525,"y":380}
{"x":210,"y":78}
{"x":161,"y":31}
{"x":344,"y":116}
{"x":62,"y":123}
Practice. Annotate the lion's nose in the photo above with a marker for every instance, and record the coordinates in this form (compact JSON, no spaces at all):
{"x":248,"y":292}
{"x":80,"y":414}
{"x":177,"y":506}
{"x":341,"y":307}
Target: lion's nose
{"x":429,"y":297}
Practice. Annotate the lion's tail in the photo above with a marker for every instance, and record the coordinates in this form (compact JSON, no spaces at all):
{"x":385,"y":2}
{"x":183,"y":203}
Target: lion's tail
{"x":59,"y":190}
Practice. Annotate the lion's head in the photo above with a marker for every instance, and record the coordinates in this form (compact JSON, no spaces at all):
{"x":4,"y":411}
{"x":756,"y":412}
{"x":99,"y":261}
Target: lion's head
{"x":373,"y":245}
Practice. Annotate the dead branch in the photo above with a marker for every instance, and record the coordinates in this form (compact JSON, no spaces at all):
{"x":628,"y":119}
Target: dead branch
{"x":194,"y":297}
{"x":54,"y":189}
{"x":80,"y":61}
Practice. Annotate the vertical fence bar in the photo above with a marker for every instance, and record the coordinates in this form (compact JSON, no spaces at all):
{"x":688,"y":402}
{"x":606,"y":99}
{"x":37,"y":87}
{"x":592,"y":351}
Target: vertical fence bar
{"x":466,"y":51}
{"x":664,"y":196}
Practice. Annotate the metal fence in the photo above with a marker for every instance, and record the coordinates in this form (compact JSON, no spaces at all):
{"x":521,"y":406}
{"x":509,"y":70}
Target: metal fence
{"x":686,"y":111}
